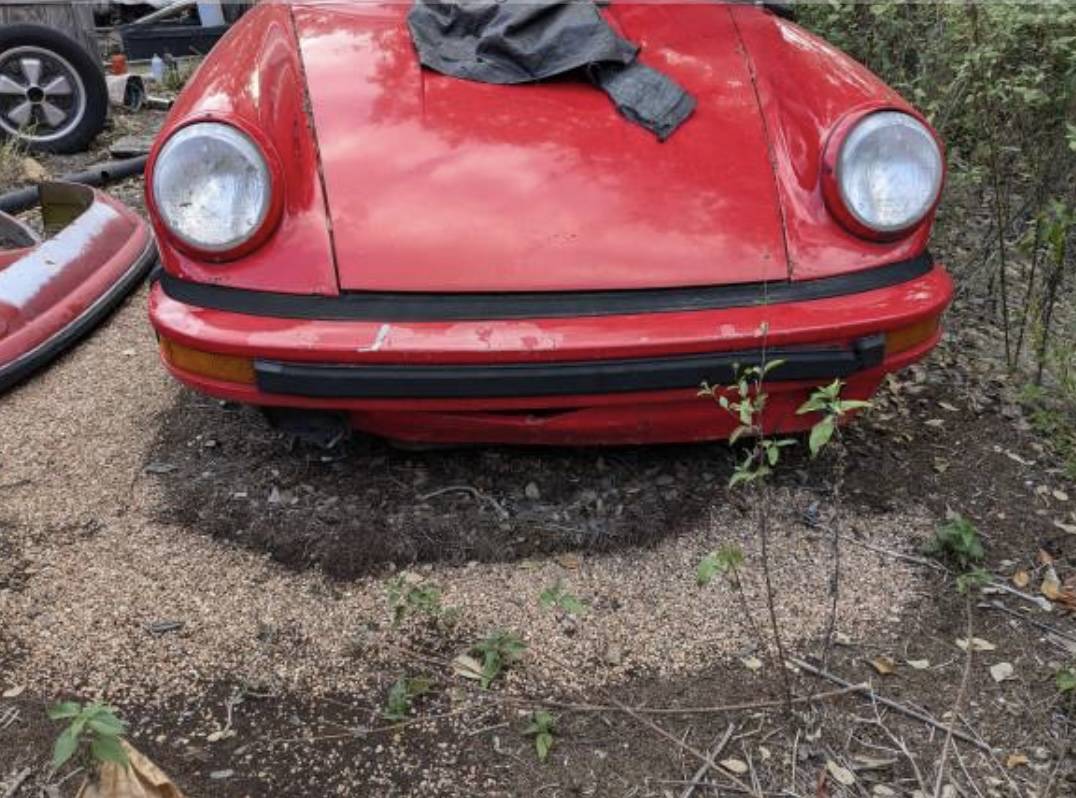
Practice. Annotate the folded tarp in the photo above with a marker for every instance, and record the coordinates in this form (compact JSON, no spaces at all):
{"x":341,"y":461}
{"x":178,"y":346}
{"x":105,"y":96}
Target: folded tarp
{"x":510,"y":42}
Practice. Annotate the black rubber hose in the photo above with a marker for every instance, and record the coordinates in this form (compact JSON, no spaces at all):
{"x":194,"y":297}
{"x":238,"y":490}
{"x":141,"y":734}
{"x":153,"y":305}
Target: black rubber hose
{"x":100,"y":175}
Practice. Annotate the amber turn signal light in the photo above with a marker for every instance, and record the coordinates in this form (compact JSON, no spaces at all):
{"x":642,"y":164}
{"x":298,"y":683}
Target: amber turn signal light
{"x":227,"y":368}
{"x":905,"y":338}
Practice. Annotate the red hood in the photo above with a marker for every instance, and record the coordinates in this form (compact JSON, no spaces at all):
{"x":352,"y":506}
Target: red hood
{"x":439,"y":184}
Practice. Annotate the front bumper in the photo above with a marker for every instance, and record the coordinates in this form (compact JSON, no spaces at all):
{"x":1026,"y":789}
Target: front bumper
{"x":591,"y":378}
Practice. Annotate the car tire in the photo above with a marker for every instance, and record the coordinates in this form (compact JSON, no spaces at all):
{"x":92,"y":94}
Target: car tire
{"x":53,"y":95}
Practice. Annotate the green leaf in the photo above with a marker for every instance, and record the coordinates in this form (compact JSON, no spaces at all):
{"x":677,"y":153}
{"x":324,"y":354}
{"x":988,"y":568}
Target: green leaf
{"x":729,"y":557}
{"x":707,"y":569}
{"x":108,"y":725}
{"x":820,"y":435}
{"x":108,"y":749}
{"x":739,"y":476}
{"x":1066,"y":680}
{"x":812,"y":405}
{"x":771,"y":365}
{"x":572,"y":605}
{"x":64,"y":710}
{"x":542,"y":743}
{"x":772,"y":455}
{"x":66,"y":745}
{"x":846,"y":405}
{"x":491,"y":666}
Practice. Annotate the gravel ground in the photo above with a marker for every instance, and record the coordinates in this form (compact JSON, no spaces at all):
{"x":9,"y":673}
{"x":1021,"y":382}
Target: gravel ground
{"x":96,"y":566}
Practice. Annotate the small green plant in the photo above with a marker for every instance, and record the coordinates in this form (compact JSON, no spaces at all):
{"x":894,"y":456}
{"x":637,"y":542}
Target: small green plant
{"x":957,"y":541}
{"x":1066,"y":680}
{"x":725,"y":560}
{"x":93,"y":734}
{"x":497,"y":652}
{"x":976,"y":577}
{"x":402,"y":695}
{"x":556,"y":596}
{"x":828,"y":402}
{"x":747,"y":407}
{"x":407,"y":597}
{"x":542,"y":727}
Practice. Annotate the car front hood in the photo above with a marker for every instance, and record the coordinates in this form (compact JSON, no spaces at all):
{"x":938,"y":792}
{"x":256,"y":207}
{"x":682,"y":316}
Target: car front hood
{"x":440,"y":184}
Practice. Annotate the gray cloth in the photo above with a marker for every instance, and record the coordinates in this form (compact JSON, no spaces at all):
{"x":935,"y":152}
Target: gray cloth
{"x":509,"y":42}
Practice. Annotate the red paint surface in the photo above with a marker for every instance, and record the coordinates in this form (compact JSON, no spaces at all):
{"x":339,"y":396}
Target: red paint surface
{"x":253,"y":78}
{"x":440,"y":184}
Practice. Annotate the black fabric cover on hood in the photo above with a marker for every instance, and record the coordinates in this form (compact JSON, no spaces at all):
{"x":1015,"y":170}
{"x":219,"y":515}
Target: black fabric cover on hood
{"x":510,"y":42}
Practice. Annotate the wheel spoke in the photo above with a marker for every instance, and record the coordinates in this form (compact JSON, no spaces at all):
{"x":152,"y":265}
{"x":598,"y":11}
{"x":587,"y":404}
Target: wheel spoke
{"x":59,"y":86}
{"x":9,"y":86}
{"x":31,"y":70}
{"x":20,"y":114}
{"x":53,"y":116}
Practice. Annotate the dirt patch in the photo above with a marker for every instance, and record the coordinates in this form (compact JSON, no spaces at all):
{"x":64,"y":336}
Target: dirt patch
{"x":368,"y":506}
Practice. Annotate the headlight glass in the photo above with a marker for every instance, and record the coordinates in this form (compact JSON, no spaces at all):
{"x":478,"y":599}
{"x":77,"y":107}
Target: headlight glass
{"x":889,"y":171}
{"x":212,"y":186}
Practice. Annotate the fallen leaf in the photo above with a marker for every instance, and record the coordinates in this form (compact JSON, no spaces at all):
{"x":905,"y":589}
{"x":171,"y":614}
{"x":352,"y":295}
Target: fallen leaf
{"x":934,"y":422}
{"x":883,"y":664}
{"x":1051,"y":585}
{"x":1001,"y":671}
{"x":941,"y":465}
{"x":977,"y":644}
{"x":1021,"y":578}
{"x":737,"y":766}
{"x":947,"y":406}
{"x":1060,"y":495}
{"x":840,"y":774}
{"x":751,"y":663}
{"x":214,"y":737}
{"x":842,"y":639}
{"x":467,"y":667}
{"x":14,"y":692}
{"x":1015,"y":760}
{"x":1044,"y":557}
{"x":1070,"y":528}
{"x":919,"y":664}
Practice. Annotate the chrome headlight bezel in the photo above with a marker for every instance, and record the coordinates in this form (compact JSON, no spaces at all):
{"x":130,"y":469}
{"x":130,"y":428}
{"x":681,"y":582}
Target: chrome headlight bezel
{"x":884,"y":173}
{"x":223,"y":150}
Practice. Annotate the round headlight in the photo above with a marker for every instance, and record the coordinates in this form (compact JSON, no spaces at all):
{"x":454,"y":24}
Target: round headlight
{"x":889,"y":172}
{"x":212,"y":187}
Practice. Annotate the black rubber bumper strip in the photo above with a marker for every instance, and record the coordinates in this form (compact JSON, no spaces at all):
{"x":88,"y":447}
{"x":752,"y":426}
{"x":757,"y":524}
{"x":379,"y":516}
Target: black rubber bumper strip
{"x":27,"y":363}
{"x":407,"y":306}
{"x":558,"y":379}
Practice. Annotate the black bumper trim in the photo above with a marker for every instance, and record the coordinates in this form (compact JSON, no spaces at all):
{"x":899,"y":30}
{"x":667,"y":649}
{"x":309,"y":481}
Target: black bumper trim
{"x":552,"y":379}
{"x":404,"y":306}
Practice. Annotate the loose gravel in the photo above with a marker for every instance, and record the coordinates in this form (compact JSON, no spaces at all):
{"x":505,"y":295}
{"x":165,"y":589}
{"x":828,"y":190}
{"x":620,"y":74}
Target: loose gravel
{"x":101,"y":595}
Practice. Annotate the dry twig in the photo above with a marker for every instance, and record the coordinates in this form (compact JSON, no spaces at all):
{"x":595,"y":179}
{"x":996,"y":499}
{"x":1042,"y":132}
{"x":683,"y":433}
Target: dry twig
{"x":965,"y":676}
{"x":705,"y":766}
{"x":901,"y":708}
{"x":20,"y":777}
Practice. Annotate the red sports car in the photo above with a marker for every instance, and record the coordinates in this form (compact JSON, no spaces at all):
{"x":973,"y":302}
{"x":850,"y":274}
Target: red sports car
{"x":351,"y":239}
